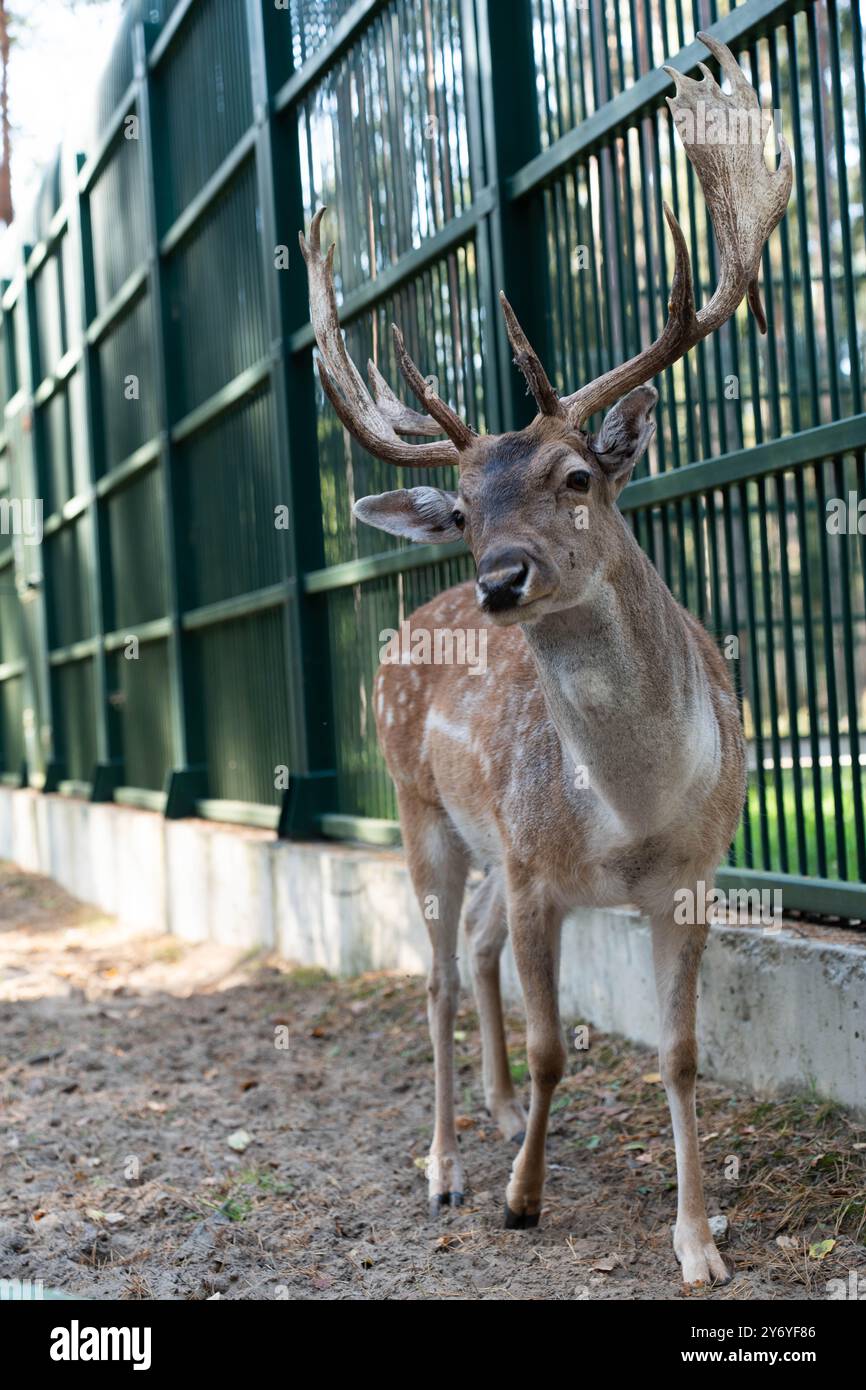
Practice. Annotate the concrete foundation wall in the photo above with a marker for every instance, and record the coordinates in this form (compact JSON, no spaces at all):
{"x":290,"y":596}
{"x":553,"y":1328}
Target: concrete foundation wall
{"x":777,"y":1012}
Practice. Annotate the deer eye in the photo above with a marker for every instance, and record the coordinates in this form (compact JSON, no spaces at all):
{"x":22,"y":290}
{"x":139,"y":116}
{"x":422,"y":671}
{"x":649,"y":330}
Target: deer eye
{"x":579,"y":480}
{"x":459,"y":520}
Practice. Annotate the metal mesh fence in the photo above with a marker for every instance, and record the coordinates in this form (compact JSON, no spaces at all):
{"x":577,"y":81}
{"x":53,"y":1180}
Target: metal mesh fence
{"x":203,"y":612}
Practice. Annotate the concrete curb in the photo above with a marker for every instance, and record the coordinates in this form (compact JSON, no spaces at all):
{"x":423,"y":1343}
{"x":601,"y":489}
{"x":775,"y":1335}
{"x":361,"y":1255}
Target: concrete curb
{"x":778,"y":1012}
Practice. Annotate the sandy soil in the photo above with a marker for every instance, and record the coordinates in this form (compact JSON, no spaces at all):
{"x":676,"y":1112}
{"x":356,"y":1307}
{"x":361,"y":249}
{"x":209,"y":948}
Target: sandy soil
{"x":130,"y":1065}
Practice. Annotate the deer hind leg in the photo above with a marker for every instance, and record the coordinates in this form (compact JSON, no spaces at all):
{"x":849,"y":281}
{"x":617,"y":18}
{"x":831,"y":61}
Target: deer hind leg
{"x":438,"y":864}
{"x":677,"y":952}
{"x":486,"y":926}
{"x":535,"y":937}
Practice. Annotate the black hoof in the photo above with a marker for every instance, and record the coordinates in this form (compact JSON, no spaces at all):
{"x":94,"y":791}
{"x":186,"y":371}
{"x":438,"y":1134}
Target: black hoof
{"x":518,"y":1138}
{"x":445,"y":1199}
{"x":515,"y":1221}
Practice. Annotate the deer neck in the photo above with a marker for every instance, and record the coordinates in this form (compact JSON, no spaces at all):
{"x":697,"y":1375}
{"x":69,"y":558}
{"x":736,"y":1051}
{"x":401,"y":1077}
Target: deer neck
{"x":629,"y":694}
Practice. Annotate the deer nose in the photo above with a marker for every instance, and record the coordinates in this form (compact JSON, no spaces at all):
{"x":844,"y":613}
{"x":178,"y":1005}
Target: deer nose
{"x":501,"y":580}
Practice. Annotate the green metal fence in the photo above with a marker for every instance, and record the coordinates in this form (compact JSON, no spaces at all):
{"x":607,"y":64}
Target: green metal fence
{"x":171,"y":643}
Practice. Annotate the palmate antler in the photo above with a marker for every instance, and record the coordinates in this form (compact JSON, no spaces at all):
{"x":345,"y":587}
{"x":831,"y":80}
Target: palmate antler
{"x":724,"y":138}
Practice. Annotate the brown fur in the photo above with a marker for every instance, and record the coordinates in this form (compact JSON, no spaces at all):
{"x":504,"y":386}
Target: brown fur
{"x":606,"y":660}
{"x":599,"y":758}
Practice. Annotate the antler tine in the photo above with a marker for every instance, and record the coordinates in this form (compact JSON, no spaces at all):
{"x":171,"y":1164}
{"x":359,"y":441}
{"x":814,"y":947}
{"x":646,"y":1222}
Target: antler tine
{"x":402,"y":418}
{"x":374,"y":423}
{"x":530,"y":364}
{"x":372,"y":438}
{"x":450,"y":422}
{"x":672,"y":343}
{"x":746,"y":201}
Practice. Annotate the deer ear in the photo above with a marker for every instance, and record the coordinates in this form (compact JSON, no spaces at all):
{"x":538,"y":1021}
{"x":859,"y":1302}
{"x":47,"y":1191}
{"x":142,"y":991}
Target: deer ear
{"x":625,"y":432}
{"x":418,"y":513}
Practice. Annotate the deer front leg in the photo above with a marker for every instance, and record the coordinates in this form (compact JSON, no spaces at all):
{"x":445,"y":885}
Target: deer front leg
{"x":438,"y":866}
{"x":677,"y":952}
{"x":486,"y":927}
{"x":535,"y":937}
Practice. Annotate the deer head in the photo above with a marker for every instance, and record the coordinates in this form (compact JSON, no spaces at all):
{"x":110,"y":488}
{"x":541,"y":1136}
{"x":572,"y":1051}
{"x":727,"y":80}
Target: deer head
{"x":537,"y":507}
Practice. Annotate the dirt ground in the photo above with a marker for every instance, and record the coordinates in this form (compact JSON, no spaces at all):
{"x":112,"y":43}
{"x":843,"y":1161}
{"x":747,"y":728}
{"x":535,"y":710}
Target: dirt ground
{"x":182,"y":1123}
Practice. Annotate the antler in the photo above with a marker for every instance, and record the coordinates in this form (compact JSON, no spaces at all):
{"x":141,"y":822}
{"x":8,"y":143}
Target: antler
{"x":378,"y":421}
{"x":724,"y":139}
{"x":527,"y":359}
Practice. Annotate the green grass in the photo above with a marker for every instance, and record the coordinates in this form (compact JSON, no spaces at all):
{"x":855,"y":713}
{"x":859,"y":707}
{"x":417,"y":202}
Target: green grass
{"x":242,"y":1194}
{"x":781,"y":812}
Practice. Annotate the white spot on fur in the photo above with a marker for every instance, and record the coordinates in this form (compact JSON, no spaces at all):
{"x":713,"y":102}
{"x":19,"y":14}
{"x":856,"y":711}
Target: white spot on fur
{"x":459,"y":733}
{"x":435,"y":842}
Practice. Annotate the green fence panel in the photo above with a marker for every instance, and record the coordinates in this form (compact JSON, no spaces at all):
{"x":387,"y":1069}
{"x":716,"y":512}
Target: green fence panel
{"x":204,"y":612}
{"x":213,"y":338}
{"x":139,"y":693}
{"x":227,"y":495}
{"x":202,"y":102}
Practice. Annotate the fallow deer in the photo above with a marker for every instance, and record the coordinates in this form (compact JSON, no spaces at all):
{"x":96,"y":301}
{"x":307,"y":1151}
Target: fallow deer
{"x":591,"y":665}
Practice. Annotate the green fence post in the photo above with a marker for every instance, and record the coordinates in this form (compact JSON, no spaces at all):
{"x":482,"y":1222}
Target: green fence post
{"x":20,"y":669}
{"x":187,"y":781}
{"x":488,"y":230}
{"x":15,"y":670}
{"x":43,"y":769}
{"x":517,"y":226}
{"x":312,"y":776}
{"x":108,"y":772}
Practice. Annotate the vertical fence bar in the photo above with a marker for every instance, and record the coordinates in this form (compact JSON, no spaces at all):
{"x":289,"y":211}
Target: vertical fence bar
{"x":518,"y":233}
{"x":39,"y":724}
{"x":108,"y":772}
{"x":484,"y":242}
{"x":15,"y":775}
{"x":312,"y":784}
{"x":820,"y":151}
{"x":811,"y":681}
{"x":829,"y":636}
{"x":851,"y":694}
{"x":187,"y":780}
